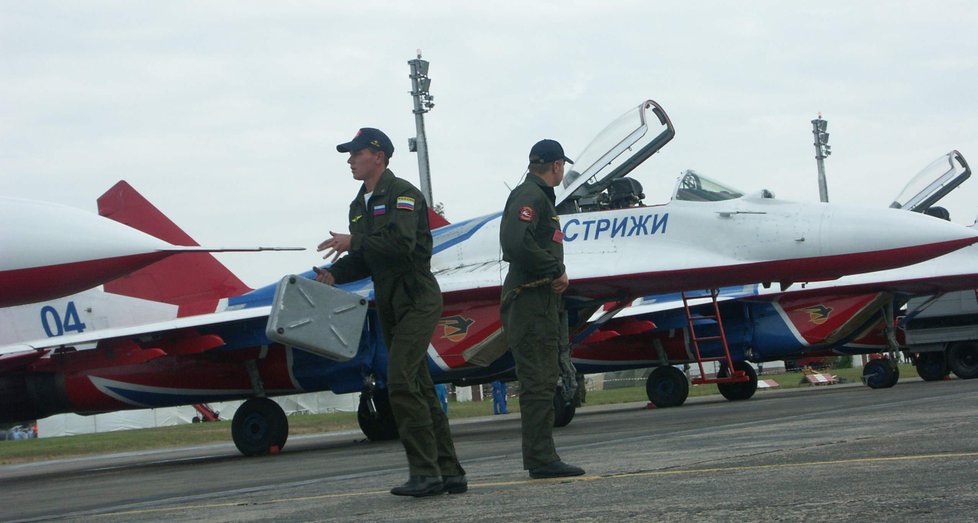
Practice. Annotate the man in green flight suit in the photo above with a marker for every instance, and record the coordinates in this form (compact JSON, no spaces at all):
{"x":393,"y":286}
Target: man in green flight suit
{"x":390,"y":241}
{"x":532,"y":243}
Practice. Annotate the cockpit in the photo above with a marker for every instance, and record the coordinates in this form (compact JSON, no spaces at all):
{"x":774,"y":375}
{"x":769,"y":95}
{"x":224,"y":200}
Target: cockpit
{"x":933,"y":183}
{"x":694,"y":187}
{"x":598,"y":180}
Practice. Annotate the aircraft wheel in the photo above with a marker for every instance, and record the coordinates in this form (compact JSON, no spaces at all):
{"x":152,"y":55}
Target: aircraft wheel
{"x":563,"y":410}
{"x":880,"y":374}
{"x":895,"y":373}
{"x":962,"y":358}
{"x":258,"y":425}
{"x":931,"y":366}
{"x":377,"y":420}
{"x":667,"y":387}
{"x":738,"y":391}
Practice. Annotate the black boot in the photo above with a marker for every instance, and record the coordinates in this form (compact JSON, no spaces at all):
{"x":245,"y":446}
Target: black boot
{"x":419,"y":486}
{"x":555,"y":469}
{"x":456,"y":483}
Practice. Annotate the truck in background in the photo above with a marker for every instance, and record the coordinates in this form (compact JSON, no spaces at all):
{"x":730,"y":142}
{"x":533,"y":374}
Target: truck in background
{"x":941,"y":335}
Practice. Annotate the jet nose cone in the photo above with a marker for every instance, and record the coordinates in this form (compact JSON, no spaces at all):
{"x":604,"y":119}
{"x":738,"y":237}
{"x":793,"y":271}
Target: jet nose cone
{"x":910,"y":237}
{"x":856,"y":239}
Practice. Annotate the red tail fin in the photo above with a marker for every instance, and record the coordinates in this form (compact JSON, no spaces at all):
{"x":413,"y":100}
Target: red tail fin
{"x":195,"y":281}
{"x":436,"y":220}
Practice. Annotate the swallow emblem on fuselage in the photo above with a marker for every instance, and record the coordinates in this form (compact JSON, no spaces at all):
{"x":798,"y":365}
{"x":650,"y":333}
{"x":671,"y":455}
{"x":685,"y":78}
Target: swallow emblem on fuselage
{"x":455,"y":328}
{"x":818,"y":314}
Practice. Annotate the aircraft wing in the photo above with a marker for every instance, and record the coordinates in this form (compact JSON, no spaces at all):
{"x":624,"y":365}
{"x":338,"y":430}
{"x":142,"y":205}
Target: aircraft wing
{"x":148,"y":329}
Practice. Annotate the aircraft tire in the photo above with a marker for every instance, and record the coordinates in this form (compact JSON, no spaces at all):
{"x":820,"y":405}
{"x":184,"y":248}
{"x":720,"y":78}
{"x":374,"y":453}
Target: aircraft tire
{"x":895,"y":374}
{"x":379,"y":424}
{"x":563,"y":411}
{"x":931,"y":366}
{"x":880,"y":374}
{"x":667,"y":387}
{"x":962,"y":358}
{"x":738,"y":391}
{"x":259,"y":424}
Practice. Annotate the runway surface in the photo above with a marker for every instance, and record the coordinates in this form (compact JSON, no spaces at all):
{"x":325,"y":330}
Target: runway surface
{"x":840,"y":452}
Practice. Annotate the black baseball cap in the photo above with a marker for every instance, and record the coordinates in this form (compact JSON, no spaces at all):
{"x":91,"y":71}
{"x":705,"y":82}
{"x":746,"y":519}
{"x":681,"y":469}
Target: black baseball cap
{"x":368,"y":137}
{"x":546,"y":151}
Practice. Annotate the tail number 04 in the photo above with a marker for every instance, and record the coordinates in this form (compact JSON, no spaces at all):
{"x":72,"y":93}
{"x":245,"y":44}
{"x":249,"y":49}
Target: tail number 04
{"x":56,"y":324}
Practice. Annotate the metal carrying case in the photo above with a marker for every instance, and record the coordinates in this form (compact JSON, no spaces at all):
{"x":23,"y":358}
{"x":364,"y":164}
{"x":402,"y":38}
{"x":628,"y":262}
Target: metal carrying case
{"x":316,"y":317}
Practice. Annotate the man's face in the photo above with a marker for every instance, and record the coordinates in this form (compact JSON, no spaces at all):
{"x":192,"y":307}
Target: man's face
{"x":366,"y":163}
{"x":558,"y":171}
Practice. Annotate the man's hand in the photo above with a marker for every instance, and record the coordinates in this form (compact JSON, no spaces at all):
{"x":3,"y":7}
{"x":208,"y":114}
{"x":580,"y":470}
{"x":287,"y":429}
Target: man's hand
{"x":560,"y":284}
{"x":335,"y":246}
{"x":324,"y":276}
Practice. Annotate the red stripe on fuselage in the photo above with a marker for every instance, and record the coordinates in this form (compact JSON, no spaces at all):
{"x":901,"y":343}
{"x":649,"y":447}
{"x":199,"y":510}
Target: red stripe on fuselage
{"x":35,"y":284}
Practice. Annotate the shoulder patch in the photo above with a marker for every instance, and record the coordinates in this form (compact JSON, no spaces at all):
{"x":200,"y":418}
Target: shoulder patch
{"x":405,"y":202}
{"x":526,"y":213}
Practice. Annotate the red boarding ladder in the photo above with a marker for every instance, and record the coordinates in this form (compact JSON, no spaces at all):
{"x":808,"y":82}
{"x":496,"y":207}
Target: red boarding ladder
{"x":735,"y":376}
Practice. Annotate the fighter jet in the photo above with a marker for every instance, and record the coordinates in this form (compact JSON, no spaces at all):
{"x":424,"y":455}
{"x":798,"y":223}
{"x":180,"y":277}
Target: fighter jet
{"x":615,"y":251}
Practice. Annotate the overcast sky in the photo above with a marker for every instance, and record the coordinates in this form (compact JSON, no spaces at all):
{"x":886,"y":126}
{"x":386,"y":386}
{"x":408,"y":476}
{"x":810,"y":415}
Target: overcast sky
{"x":226,"y":114}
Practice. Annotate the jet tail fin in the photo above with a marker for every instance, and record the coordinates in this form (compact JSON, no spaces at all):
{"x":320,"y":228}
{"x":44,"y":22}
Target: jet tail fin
{"x":194,"y":280}
{"x":436,"y":220}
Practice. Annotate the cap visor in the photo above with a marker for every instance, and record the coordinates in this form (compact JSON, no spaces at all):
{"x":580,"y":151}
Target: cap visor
{"x":568,"y":160}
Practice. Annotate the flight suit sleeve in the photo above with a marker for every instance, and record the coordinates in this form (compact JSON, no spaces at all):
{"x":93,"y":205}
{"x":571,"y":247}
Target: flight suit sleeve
{"x":351,"y":267}
{"x":395,"y":239}
{"x":520,"y":224}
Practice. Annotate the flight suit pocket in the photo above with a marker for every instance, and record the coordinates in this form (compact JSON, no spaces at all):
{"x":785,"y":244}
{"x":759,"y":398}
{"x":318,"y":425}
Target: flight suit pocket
{"x":402,"y":299}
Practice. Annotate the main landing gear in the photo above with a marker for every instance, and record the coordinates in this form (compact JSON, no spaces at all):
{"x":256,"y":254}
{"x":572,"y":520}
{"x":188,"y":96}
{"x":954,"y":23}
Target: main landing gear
{"x":259,"y":427}
{"x":881,"y":373}
{"x":667,"y":387}
{"x":375,"y":416}
{"x":738,"y":390}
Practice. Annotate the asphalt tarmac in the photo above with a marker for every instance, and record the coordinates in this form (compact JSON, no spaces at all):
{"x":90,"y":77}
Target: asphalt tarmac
{"x":828,"y":453}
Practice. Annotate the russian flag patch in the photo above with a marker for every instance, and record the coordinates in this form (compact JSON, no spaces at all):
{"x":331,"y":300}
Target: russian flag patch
{"x":380,"y":209}
{"x":405,"y":202}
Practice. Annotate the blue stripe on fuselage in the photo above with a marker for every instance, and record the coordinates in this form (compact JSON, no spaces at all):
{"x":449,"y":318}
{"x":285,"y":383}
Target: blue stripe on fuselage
{"x":473,"y":225}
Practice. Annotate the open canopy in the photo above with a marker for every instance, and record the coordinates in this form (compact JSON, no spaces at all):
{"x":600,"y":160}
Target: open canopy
{"x":933,"y":183}
{"x":616,"y":151}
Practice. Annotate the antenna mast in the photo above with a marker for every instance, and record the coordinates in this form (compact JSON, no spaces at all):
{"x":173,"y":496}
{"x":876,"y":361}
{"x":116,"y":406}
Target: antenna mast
{"x":423,"y":102}
{"x":822,"y":151}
